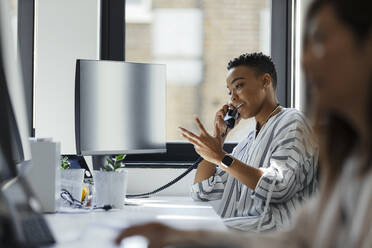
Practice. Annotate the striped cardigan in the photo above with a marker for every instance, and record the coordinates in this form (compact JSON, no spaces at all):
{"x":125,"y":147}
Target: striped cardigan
{"x":285,"y":152}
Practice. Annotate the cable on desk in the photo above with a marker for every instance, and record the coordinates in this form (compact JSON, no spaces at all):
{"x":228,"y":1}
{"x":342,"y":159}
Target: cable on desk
{"x":66,"y":195}
{"x":193,"y":166}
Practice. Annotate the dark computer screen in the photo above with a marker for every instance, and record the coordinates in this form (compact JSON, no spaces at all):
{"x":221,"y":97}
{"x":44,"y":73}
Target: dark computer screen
{"x":120,"y":107}
{"x":6,"y":158}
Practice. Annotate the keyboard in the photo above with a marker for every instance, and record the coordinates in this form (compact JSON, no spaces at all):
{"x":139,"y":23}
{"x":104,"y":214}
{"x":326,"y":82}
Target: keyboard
{"x":36,"y":231}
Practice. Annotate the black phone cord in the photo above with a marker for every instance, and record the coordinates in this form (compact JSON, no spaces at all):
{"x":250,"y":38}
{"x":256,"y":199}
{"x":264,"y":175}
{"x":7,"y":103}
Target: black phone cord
{"x":193,"y":166}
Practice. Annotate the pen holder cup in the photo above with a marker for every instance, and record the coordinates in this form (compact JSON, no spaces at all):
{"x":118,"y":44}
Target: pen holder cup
{"x":110,"y":188}
{"x":72,"y":181}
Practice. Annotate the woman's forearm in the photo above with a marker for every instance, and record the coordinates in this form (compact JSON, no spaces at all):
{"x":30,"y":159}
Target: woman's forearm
{"x":244,"y":173}
{"x":204,"y":171}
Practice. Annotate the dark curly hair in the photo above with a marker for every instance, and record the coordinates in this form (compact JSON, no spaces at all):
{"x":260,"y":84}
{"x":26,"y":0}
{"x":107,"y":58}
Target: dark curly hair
{"x":260,"y":62}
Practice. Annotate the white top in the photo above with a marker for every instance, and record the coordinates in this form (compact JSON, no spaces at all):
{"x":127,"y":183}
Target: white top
{"x":347,"y":218}
{"x":288,"y":157}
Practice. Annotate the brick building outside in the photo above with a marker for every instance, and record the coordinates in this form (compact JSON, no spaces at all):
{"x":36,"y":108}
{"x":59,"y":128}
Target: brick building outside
{"x":196,"y":39}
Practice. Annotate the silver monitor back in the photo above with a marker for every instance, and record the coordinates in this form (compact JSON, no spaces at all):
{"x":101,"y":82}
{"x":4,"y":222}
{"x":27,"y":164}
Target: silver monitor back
{"x":120,"y":107}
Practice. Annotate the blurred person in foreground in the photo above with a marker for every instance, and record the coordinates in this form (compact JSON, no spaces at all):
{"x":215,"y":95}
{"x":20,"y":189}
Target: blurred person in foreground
{"x":338,"y":67}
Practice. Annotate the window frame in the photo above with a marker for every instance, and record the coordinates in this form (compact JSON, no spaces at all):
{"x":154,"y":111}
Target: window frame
{"x":281,"y":47}
{"x":179,"y":154}
{"x":182,"y":154}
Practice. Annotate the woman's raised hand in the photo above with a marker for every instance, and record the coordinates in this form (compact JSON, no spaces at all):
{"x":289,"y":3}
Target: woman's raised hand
{"x":206,"y":145}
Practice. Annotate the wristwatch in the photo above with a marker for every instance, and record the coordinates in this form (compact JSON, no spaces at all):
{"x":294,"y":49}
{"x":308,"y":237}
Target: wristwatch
{"x":227,"y":161}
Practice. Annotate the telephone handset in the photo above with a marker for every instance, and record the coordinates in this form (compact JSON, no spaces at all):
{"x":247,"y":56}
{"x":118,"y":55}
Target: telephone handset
{"x":231,"y":116}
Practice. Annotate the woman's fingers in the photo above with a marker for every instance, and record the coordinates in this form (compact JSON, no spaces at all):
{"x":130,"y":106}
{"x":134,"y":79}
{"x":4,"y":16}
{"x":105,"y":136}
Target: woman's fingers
{"x":200,"y":125}
{"x":188,"y":133}
{"x":222,"y":112}
{"x":225,"y":108}
{"x":192,"y":141}
{"x":132,"y":231}
{"x":230,"y":106}
{"x":217,"y":131}
{"x":191,"y":137}
{"x":220,"y":115}
{"x":156,"y":233}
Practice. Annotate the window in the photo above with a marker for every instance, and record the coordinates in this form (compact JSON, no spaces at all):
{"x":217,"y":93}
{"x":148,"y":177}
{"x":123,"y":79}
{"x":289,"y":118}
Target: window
{"x":138,"y":11}
{"x":196,"y":39}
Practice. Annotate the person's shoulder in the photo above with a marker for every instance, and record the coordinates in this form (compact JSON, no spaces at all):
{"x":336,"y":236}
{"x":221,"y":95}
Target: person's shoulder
{"x":292,"y":111}
{"x":294,"y":116}
{"x":297,"y":120}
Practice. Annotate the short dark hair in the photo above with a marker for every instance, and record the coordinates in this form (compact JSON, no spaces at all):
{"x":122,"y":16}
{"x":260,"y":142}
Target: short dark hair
{"x":260,"y":62}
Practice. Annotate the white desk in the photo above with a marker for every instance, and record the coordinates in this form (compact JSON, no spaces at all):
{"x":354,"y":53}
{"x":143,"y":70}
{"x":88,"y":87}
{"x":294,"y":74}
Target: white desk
{"x":98,"y":228}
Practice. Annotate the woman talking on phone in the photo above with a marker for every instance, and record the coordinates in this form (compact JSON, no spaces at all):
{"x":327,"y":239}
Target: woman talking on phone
{"x":338,"y":65}
{"x":273,"y":169}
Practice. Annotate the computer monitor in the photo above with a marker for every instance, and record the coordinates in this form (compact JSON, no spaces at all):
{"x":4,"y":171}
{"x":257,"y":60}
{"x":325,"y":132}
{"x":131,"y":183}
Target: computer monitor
{"x":120,"y":107}
{"x":13,"y":117}
{"x":6,"y":150}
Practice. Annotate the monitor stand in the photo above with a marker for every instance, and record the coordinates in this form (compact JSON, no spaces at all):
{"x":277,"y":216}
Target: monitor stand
{"x":98,"y":161}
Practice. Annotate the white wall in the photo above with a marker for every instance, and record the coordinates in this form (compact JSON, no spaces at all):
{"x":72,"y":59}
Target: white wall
{"x":65,"y":30}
